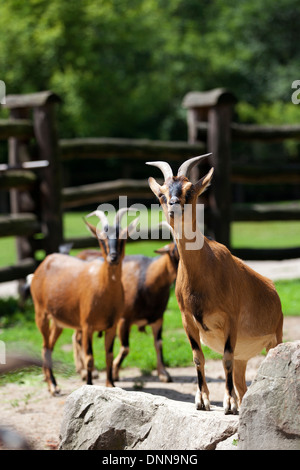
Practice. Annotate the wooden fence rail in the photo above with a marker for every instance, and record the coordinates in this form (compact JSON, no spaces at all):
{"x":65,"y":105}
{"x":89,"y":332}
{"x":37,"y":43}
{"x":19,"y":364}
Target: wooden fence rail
{"x":209,"y":118}
{"x":21,"y":128}
{"x":32,"y":178}
{"x":36,"y":155}
{"x":252,"y":132}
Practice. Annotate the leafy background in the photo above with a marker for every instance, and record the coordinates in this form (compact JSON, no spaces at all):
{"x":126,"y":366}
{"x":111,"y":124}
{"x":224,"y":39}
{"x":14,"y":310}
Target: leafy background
{"x":122,"y":67}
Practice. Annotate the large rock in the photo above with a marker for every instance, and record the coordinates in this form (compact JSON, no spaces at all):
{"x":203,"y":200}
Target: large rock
{"x":270,"y":412}
{"x":113,"y":419}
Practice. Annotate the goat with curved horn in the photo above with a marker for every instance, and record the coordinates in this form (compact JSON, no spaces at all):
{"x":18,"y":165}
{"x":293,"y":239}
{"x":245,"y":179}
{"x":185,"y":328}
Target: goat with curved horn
{"x":84,"y":296}
{"x":223,"y":302}
{"x":146,"y":281}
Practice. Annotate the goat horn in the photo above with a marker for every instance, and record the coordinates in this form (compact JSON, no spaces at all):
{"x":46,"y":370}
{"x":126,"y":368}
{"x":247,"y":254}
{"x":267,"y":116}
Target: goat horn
{"x":189,"y":164}
{"x":101,"y":215}
{"x":164,"y":167}
{"x":119,"y":215}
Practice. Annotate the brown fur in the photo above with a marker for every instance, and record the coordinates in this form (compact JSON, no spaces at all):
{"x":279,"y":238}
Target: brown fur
{"x":146,"y":283}
{"x":224,"y":303}
{"x":85,"y":296}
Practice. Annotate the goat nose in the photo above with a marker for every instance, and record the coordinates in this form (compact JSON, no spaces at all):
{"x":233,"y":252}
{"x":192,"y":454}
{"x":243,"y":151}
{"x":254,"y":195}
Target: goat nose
{"x":113,"y":256}
{"x":174,"y":200}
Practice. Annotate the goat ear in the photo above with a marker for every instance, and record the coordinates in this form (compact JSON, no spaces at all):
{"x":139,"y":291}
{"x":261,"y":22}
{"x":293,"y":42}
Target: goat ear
{"x":154,"y":186}
{"x":163,"y":250}
{"x":204,"y":182}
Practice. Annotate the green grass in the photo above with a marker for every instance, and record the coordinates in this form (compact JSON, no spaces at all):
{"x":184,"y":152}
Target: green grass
{"x":18,"y":329}
{"x":265,"y":234}
{"x":289,"y":293}
{"x":19,"y":332}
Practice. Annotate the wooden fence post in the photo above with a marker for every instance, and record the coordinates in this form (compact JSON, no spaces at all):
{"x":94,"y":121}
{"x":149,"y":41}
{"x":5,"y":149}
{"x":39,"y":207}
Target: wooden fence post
{"x":215,"y":106}
{"x":49,"y":206}
{"x":44,"y":123}
{"x":21,"y":200}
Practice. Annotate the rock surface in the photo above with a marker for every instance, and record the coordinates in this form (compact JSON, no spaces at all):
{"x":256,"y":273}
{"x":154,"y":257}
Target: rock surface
{"x":102,"y":418}
{"x":270,"y":412}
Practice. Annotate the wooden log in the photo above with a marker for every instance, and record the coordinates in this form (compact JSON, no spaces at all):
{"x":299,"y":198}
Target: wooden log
{"x":208,"y":99}
{"x":21,"y":201}
{"x":140,"y":149}
{"x":91,"y":242}
{"x":81,"y":242}
{"x":106,"y":191}
{"x":45,"y":128}
{"x":265,"y":212}
{"x":264,"y":133}
{"x":253,"y":132}
{"x":261,"y":254}
{"x":215,"y":107}
{"x":262,"y":174}
{"x":219,"y":143}
{"x":21,"y":128}
{"x":31,"y":100}
{"x":18,"y":271}
{"x":18,"y":225}
{"x":34,"y":165}
{"x":20,"y":179}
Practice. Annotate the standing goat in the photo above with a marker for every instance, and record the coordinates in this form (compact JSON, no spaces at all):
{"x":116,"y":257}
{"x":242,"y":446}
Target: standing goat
{"x":146,"y":283}
{"x":84,"y":296}
{"x":224,"y":303}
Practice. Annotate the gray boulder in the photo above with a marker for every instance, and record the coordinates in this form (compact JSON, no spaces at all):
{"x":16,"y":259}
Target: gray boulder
{"x":114,"y":419}
{"x":270,"y":412}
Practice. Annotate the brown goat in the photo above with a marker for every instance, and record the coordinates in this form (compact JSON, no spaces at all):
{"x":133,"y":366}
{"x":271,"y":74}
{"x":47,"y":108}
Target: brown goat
{"x":146,"y":283}
{"x":224,"y":303}
{"x":83,"y":296}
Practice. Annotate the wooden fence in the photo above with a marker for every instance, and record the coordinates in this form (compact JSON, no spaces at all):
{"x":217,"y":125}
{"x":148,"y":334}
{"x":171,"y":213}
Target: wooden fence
{"x":33,"y":176}
{"x":36,"y":155}
{"x":209,"y":119}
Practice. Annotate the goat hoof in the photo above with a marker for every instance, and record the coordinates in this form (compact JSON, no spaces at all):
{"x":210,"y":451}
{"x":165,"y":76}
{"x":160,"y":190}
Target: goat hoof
{"x":165,"y":377}
{"x":83,"y":373}
{"x":115,"y":375}
{"x":109,"y":384}
{"x":230,"y":406}
{"x":54,"y":390}
{"x":201,"y":402}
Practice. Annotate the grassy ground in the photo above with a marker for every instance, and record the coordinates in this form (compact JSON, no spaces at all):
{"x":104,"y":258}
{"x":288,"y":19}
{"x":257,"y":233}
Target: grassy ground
{"x":18,"y":329}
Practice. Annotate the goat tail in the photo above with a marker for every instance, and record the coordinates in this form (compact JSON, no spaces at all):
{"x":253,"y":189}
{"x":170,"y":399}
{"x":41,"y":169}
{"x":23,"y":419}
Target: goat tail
{"x":26,"y":287}
{"x":29,"y":279}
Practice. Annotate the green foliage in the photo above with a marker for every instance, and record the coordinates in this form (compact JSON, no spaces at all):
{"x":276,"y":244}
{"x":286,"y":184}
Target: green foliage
{"x":122,"y":67}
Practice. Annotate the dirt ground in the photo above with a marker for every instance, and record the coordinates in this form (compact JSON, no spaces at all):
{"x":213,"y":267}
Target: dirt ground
{"x":33,"y":413}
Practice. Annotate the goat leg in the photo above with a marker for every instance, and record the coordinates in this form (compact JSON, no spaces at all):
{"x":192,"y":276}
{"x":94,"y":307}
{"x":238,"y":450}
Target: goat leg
{"x":239,"y":379}
{"x":109,"y":346}
{"x":123,"y":333}
{"x":202,"y":395}
{"x":79,"y":356}
{"x":230,"y":399}
{"x":88,"y":354}
{"x":157,"y":334}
